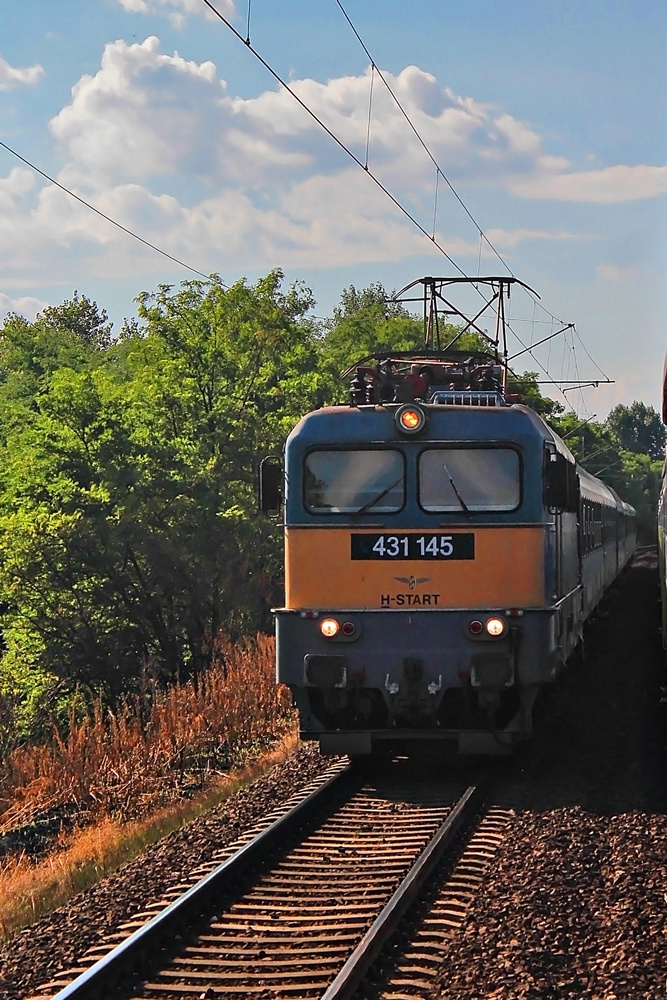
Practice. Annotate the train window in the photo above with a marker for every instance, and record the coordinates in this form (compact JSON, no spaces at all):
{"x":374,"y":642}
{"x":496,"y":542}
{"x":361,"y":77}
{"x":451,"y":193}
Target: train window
{"x":469,"y":479}
{"x":353,"y":482}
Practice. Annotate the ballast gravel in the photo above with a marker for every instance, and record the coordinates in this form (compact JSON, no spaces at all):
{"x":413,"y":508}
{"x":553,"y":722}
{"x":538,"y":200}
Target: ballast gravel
{"x":58,"y":941}
{"x":575,"y":907}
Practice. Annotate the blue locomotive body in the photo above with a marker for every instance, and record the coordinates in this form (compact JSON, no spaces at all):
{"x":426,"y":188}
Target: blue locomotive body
{"x":436,"y":581}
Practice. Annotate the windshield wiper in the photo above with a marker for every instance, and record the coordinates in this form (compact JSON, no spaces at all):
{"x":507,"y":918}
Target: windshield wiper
{"x":376,"y":499}
{"x":464,"y":506}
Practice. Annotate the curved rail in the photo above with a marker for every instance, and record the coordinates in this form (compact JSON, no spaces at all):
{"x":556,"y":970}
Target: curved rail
{"x":99,"y":979}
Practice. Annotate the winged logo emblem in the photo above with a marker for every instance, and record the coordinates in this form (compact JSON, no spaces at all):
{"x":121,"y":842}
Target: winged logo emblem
{"x":412,"y":581}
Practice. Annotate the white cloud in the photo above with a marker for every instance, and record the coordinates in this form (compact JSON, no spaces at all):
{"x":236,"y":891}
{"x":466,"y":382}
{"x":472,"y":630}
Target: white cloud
{"x":142,"y":113}
{"x":24,"y":305}
{"x":19,"y":182}
{"x":177,"y":10}
{"x":520,"y":137}
{"x":12,"y":77}
{"x":319,"y":223}
{"x":156,"y":141}
{"x":506,"y":239}
{"x":610,"y":185}
{"x":620,"y":275}
{"x":461,"y":132}
{"x":146,"y":114}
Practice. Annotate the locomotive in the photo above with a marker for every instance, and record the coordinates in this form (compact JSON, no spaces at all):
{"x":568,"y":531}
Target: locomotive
{"x":443,"y":551}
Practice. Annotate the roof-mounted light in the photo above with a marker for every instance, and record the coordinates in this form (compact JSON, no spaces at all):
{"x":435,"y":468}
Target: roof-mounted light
{"x":410,"y":419}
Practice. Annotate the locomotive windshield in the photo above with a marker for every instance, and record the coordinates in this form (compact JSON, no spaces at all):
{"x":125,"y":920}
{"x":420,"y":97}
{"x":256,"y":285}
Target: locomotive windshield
{"x":469,"y":479}
{"x":353,"y":482}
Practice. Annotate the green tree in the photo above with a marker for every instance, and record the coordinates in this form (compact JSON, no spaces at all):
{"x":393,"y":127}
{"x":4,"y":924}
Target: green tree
{"x":639,"y":429}
{"x":82,"y":319}
{"x":74,"y":335}
{"x":592,"y":443}
{"x":635,"y":476}
{"x":366,"y":322}
{"x":372,"y":300}
{"x":128,"y":524}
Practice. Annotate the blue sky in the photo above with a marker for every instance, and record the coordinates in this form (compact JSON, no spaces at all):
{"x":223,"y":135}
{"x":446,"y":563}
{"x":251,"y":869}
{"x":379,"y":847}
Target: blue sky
{"x":549,"y":117}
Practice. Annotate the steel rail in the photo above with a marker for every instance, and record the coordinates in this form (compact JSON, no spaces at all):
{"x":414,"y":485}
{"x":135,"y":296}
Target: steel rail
{"x":360,"y":961}
{"x":100,"y":978}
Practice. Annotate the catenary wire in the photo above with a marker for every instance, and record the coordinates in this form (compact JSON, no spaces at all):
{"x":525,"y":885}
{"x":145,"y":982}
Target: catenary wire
{"x":439,"y":171}
{"x":108,"y":218}
{"x":365,"y":168}
{"x":578,"y":336}
{"x":376,"y":180}
{"x":332,"y":135}
{"x":394,"y":200}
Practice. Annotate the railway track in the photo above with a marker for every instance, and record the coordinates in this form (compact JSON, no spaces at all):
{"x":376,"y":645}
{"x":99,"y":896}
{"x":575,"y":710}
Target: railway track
{"x":308,"y":907}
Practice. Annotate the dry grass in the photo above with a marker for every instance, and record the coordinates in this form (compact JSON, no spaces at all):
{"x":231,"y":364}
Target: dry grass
{"x":127,"y":764}
{"x":130,"y":777}
{"x":30,"y":889}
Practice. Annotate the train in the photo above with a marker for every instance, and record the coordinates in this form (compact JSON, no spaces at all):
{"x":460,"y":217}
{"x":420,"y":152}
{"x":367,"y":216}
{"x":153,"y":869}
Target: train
{"x":443,"y":551}
{"x":662,"y":519}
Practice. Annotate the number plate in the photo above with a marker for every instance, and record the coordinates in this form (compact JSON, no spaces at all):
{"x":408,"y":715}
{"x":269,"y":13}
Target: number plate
{"x":413,"y":546}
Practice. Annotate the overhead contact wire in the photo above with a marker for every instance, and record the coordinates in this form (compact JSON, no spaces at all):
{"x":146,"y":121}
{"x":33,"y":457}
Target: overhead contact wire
{"x":423,"y":143}
{"x":332,"y":135}
{"x":578,"y":336}
{"x":483,"y":238}
{"x":376,"y":180}
{"x":102,"y":215}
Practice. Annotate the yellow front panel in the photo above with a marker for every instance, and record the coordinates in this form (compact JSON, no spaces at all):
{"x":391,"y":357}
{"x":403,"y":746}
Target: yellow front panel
{"x":507,"y":571}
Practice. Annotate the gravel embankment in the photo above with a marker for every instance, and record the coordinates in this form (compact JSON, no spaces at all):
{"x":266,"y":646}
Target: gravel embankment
{"x":576,"y":902}
{"x":58,"y":941}
{"x":574,"y":908}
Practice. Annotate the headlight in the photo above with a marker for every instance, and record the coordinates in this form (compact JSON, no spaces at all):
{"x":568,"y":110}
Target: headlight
{"x":329,"y":627}
{"x":495,"y":627}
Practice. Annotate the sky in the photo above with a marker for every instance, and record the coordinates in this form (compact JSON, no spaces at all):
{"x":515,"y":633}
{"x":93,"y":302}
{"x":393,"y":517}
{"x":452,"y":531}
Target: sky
{"x":547,"y":120}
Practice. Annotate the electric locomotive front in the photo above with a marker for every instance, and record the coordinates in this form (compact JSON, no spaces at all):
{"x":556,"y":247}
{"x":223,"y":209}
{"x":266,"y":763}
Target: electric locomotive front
{"x":423,"y":599}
